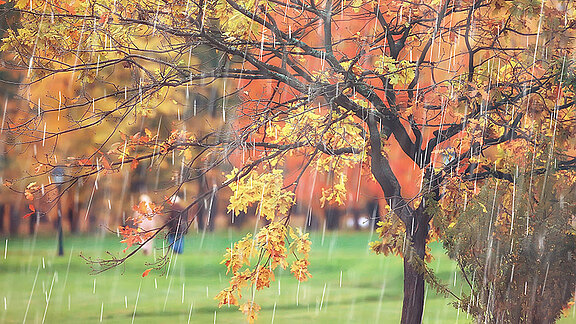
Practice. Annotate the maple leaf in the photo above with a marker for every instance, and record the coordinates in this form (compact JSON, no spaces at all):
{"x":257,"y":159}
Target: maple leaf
{"x":241,"y":280}
{"x":28,"y":195}
{"x":30,"y":189}
{"x":266,"y":188}
{"x":147,"y":209}
{"x":70,"y":9}
{"x":226,"y":297}
{"x":106,"y":164}
{"x":133,"y":236}
{"x":263,"y":277}
{"x":83,"y":162}
{"x":104,"y":18}
{"x":146,"y":272}
{"x":236,"y":257}
{"x":301,"y":242}
{"x":134,"y":163}
{"x":22,"y":4}
{"x":300,"y":270}
{"x":273,"y":239}
{"x":148,"y":132}
{"x":250,"y":309}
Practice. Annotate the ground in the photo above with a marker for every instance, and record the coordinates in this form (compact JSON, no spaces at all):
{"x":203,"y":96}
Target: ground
{"x":349,"y":285}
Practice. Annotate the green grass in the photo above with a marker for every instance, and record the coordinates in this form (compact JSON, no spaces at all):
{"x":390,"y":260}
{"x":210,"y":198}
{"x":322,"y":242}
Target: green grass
{"x":349,"y":285}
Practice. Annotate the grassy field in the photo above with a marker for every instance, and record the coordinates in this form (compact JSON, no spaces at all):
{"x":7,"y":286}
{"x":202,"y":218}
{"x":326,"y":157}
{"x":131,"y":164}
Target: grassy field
{"x":349,"y":285}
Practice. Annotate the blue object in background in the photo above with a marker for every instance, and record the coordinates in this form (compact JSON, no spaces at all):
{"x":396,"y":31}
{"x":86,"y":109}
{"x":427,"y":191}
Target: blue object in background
{"x":177,"y":243}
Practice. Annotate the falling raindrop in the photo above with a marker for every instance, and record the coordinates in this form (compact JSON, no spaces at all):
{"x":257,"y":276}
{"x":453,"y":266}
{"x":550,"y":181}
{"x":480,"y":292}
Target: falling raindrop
{"x":4,"y":115}
{"x":48,"y":298}
{"x":190,"y":312}
{"x":183,"y":293}
{"x":136,"y":302}
{"x":31,"y":294}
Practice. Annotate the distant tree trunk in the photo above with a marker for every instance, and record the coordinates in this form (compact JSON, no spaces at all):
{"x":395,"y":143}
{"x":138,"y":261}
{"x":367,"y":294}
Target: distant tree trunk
{"x":15,"y":217}
{"x":311,"y":222}
{"x":238,"y":221}
{"x":2,"y":210}
{"x":373,"y":209}
{"x":201,"y":214}
{"x":72,"y":220}
{"x":356,"y":217}
{"x":332,"y":216}
{"x":200,"y":219}
{"x":212,"y":206}
{"x":207,"y":209}
{"x":74,"y":211}
{"x":33,"y":224}
{"x":92,"y":222}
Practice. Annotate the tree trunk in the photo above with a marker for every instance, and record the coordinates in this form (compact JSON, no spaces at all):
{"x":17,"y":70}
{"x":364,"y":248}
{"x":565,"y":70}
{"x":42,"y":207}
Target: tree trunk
{"x":356,"y":216}
{"x":413,"y":304}
{"x":332,"y":218}
{"x":415,"y":220}
{"x":2,"y":209}
{"x":34,"y":219}
{"x":72,"y":220}
{"x":15,"y":216}
{"x":212,"y":211}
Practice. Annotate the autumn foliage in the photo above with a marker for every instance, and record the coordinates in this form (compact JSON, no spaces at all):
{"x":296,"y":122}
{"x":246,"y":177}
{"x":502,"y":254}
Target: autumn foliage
{"x":460,"y":115}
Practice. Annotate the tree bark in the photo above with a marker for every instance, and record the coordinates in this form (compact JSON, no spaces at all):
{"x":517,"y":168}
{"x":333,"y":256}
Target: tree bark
{"x":413,"y":304}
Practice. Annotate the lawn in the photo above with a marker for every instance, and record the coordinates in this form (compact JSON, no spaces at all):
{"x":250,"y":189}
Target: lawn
{"x":349,"y":285}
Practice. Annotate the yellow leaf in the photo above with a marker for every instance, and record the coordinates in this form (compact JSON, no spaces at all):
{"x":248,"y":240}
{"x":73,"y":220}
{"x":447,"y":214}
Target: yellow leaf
{"x":483,"y":207}
{"x":22,"y":4}
{"x":250,"y":309}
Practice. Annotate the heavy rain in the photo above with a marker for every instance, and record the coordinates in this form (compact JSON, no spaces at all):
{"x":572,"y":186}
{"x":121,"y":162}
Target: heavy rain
{"x":273,"y":161}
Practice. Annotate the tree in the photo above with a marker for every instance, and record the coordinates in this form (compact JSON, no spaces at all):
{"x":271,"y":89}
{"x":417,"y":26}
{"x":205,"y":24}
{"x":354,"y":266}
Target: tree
{"x":515,"y":248}
{"x":464,"y":90}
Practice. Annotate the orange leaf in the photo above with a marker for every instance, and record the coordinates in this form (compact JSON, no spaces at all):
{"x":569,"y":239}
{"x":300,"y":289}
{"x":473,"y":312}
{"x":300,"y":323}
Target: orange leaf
{"x":32,"y":209}
{"x":106,"y":164}
{"x":226,"y":297}
{"x":145,"y":273}
{"x":134,"y":164}
{"x":104,"y":18}
{"x":83,"y":162}
{"x":70,"y":9}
